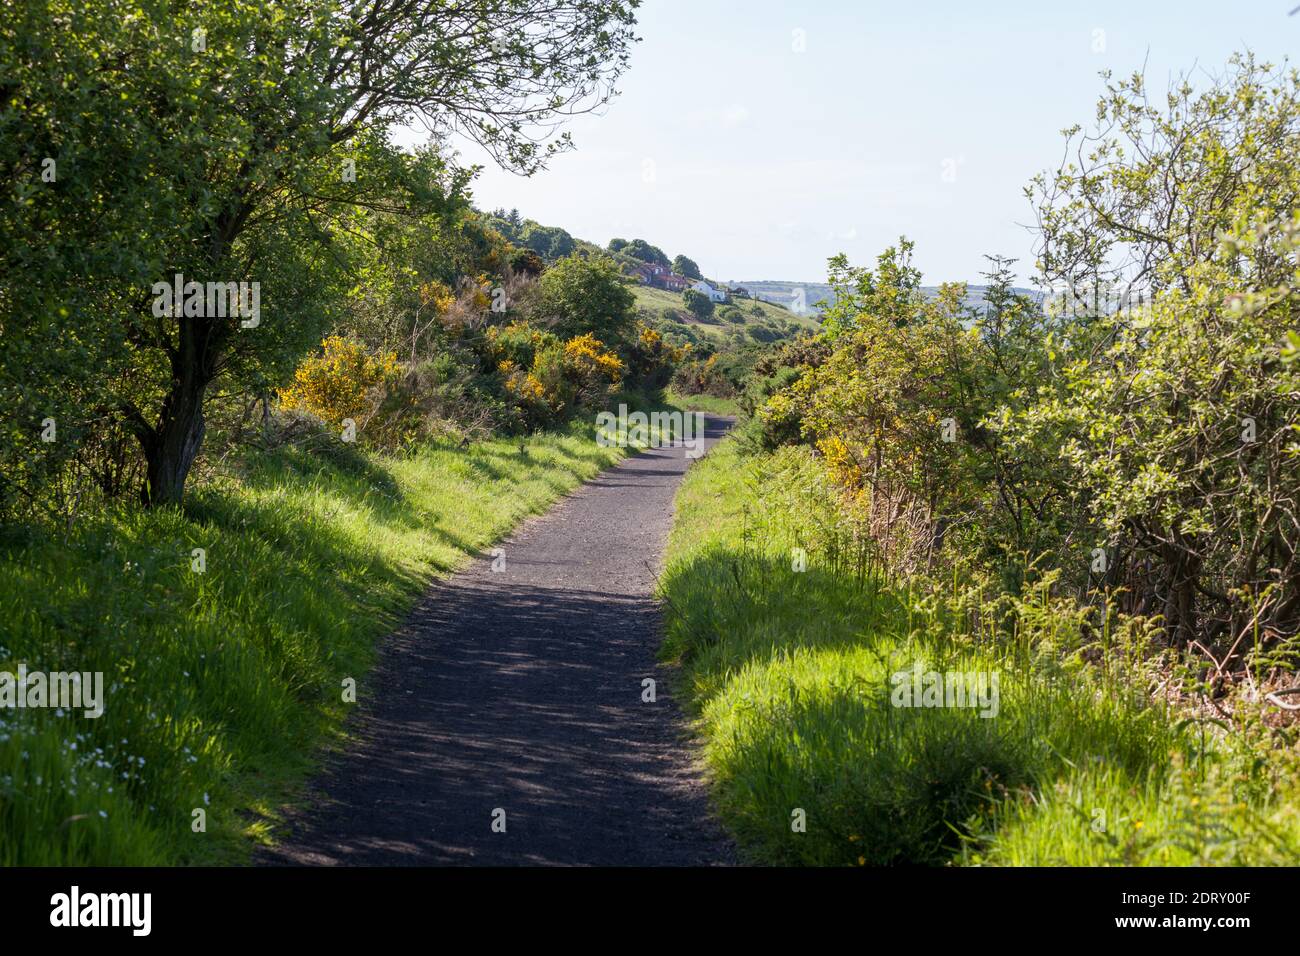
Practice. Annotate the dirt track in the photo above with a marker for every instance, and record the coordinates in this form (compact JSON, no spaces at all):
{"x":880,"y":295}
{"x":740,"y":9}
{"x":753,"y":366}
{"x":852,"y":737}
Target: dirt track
{"x":521,"y":690}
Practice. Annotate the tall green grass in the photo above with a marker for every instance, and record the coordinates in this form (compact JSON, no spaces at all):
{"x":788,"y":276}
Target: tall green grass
{"x":711,"y":404}
{"x":222,"y":685}
{"x":789,"y":674}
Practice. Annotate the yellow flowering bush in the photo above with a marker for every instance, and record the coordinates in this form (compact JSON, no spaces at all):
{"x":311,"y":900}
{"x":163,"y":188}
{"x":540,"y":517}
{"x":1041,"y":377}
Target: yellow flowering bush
{"x":587,"y":359}
{"x":523,"y":385}
{"x":651,"y":360}
{"x":547,"y":378}
{"x":517,"y":342}
{"x":437,"y":294}
{"x":336,"y":384}
{"x":695,"y":377}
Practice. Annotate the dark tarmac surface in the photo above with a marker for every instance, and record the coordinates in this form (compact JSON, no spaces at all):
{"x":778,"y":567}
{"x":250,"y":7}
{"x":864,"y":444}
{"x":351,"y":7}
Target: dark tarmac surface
{"x":521,"y":691}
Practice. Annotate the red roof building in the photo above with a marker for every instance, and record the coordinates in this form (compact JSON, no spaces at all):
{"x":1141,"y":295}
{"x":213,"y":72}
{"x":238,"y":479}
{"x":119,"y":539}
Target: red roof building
{"x":660,"y":277}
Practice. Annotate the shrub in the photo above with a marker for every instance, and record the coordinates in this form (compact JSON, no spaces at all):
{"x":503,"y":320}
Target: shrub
{"x":703,"y":377}
{"x":517,"y":343}
{"x":698,"y":304}
{"x":651,"y":359}
{"x":528,"y":262}
{"x":587,"y":362}
{"x":433,"y":399}
{"x":560,"y":377}
{"x":899,"y":411}
{"x":587,"y":295}
{"x":336,"y":384}
{"x":780,"y":421}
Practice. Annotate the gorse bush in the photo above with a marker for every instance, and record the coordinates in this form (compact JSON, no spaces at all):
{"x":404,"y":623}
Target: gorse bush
{"x":589,"y":362}
{"x":426,"y":401}
{"x":703,"y":376}
{"x":898,"y":405}
{"x":547,"y":378}
{"x":651,"y":359}
{"x":338,"y":383}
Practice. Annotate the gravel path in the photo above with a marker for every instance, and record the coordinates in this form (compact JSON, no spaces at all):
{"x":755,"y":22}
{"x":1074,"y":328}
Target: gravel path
{"x":521,"y":690}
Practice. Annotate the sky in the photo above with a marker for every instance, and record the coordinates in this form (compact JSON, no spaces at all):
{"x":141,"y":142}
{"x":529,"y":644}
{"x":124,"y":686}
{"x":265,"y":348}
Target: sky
{"x":761,"y":137}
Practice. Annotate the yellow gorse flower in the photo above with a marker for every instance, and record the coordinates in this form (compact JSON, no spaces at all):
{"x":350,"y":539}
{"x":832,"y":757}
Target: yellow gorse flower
{"x":334,"y":385}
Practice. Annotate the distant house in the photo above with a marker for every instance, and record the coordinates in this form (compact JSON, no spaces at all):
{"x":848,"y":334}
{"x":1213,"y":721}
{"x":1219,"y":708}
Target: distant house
{"x":643,"y":271}
{"x":739,"y":291}
{"x":715,"y":295}
{"x":660,"y":277}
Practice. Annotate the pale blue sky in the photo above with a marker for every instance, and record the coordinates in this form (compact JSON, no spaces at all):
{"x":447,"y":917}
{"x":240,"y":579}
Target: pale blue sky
{"x":766,"y":160}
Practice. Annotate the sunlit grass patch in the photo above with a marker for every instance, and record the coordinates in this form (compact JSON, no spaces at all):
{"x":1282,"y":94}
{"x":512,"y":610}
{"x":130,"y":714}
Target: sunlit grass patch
{"x":791,"y":675}
{"x":221,"y":685}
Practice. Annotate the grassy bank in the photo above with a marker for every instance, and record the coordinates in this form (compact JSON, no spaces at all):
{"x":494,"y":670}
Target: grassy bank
{"x":813,"y":761}
{"x":711,"y":404}
{"x":654,"y":302}
{"x":222,"y":683}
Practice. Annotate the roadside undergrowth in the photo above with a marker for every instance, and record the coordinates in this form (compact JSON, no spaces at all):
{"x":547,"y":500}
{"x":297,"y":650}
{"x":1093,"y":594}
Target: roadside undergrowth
{"x":799,"y":658}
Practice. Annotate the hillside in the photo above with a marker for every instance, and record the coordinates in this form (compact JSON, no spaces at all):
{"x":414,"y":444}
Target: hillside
{"x":766,"y":320}
{"x":741,"y":321}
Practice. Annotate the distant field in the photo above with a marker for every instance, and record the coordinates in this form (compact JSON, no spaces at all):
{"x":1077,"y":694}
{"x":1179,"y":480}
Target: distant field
{"x":700,"y":403}
{"x":655,"y":301}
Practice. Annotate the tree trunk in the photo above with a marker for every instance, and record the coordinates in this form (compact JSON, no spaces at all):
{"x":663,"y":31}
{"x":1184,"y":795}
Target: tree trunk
{"x":176,"y":441}
{"x":171,"y":446}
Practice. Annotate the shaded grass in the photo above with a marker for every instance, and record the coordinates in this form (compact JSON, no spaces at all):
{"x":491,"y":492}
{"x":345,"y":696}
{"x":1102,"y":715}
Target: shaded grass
{"x":222,"y":685}
{"x":789,"y":674}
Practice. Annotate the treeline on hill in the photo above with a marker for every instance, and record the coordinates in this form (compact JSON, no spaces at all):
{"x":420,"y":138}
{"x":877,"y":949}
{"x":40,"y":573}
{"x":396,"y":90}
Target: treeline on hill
{"x":711,"y":365}
{"x":1096,"y":498}
{"x":223,"y":287}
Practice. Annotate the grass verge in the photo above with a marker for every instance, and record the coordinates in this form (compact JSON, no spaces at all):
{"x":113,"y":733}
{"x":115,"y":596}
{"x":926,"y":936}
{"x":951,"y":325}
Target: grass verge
{"x":815,"y":760}
{"x":223,"y":667}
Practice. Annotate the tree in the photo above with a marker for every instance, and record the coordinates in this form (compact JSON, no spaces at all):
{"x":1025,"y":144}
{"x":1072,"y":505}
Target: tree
{"x":65,"y":275}
{"x":686,"y":267}
{"x":1112,"y":224}
{"x":550,"y":242}
{"x":640,"y":249}
{"x":698,"y":304}
{"x":1176,"y":413}
{"x":257,"y":139}
{"x":588,"y":295}
{"x":527,"y":262}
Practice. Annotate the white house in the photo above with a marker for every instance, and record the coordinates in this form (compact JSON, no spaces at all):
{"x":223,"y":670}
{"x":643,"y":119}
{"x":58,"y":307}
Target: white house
{"x":715,"y":295}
